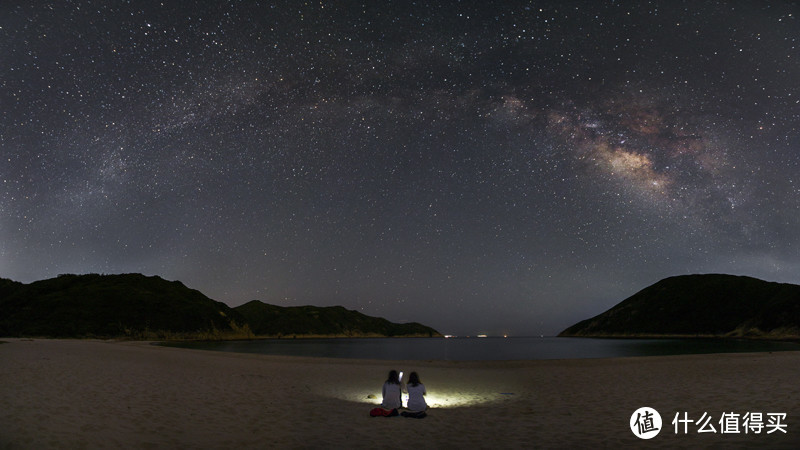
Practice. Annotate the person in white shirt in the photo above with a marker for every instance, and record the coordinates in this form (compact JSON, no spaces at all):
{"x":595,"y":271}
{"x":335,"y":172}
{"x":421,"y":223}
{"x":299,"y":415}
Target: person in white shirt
{"x":416,"y":394}
{"x":392,"y":392}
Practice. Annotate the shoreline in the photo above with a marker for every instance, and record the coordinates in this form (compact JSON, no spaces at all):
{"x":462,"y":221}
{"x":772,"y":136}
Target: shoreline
{"x":504,"y":349}
{"x":131,"y":394}
{"x":752,"y":337}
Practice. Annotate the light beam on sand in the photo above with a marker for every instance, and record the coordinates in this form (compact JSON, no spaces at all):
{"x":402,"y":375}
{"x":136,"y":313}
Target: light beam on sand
{"x":438,"y":399}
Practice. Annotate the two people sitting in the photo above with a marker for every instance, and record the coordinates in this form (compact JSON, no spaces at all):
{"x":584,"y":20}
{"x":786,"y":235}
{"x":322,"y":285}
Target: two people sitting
{"x":393,"y":390}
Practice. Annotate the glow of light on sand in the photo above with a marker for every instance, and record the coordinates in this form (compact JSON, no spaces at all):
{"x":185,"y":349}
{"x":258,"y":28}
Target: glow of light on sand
{"x":438,"y":399}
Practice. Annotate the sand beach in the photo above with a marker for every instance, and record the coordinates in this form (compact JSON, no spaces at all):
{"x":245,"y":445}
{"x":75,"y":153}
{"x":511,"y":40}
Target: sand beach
{"x":111,"y":394}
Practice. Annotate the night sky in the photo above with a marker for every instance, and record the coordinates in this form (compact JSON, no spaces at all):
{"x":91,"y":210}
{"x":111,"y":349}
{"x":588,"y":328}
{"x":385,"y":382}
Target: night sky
{"x":480,"y":167}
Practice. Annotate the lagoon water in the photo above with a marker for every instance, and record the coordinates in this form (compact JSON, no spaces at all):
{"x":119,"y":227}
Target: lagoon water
{"x":471,"y":349}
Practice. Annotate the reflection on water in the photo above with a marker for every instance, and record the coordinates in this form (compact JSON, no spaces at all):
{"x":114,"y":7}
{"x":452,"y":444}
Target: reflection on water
{"x":469,"y":349}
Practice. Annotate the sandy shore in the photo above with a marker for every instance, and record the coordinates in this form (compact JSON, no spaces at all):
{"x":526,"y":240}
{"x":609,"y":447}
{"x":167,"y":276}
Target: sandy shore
{"x":96,"y":394}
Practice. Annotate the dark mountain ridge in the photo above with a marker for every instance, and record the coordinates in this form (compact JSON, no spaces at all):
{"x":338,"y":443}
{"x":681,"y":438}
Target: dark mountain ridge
{"x":701,"y":305}
{"x":141,"y":307}
{"x":278,"y":321}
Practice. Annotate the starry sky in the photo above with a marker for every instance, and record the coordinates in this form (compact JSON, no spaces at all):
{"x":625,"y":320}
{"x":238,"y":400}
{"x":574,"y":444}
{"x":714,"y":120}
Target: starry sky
{"x":477,"y":166}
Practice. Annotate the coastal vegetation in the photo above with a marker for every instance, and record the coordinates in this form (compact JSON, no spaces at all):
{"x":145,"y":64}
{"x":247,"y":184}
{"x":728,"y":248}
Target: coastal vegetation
{"x":710,"y":305}
{"x":277,"y":321}
{"x":135,"y":306}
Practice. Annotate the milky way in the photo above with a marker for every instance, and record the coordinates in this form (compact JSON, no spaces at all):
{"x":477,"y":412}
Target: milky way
{"x":480,"y":167}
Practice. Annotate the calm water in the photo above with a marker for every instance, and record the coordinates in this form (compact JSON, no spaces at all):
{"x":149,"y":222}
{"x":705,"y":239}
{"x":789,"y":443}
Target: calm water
{"x":466,"y":349}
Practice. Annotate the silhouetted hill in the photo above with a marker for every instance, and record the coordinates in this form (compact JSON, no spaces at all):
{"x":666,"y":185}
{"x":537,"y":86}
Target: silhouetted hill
{"x":701,"y":305}
{"x":130,"y":305}
{"x":7,"y":287}
{"x":271,"y":320}
{"x":141,"y":307}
